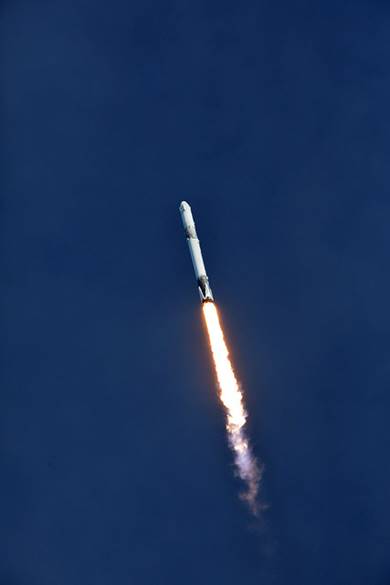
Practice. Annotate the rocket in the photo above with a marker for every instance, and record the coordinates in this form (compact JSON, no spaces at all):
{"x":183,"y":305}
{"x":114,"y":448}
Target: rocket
{"x":196,"y":255}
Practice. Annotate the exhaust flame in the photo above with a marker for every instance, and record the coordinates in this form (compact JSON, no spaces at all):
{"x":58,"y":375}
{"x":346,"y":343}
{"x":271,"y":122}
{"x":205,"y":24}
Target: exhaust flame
{"x":231,"y":397}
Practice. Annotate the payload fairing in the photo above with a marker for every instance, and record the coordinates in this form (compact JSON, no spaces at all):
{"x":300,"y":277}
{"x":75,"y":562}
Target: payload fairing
{"x":196,"y":254}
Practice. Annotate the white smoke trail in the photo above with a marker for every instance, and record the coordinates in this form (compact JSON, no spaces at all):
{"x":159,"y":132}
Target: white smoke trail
{"x":231,"y":397}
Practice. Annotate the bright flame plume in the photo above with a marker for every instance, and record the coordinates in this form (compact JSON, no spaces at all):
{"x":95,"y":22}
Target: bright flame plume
{"x":231,"y":397}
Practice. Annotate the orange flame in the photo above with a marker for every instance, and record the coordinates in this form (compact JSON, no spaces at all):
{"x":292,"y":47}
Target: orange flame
{"x":232,"y":399}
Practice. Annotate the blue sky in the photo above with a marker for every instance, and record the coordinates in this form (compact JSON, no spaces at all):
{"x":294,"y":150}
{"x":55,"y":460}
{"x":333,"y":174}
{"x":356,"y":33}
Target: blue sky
{"x":272,"y":120}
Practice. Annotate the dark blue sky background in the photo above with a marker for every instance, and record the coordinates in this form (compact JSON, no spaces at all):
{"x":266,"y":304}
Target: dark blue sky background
{"x":272,"y":120}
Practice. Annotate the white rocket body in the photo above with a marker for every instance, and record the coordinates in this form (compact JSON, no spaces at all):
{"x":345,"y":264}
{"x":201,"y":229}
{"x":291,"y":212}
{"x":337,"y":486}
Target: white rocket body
{"x":196,"y":255}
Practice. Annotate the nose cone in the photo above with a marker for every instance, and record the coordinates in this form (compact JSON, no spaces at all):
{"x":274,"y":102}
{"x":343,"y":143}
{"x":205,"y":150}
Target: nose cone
{"x":187,"y":219}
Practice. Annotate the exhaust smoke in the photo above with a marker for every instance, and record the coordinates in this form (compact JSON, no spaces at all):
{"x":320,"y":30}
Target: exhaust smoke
{"x":231,"y":397}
